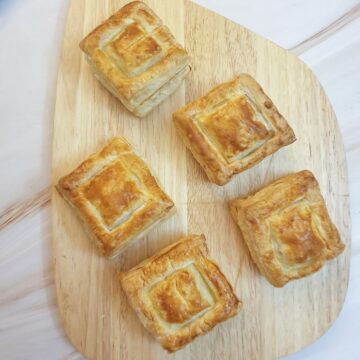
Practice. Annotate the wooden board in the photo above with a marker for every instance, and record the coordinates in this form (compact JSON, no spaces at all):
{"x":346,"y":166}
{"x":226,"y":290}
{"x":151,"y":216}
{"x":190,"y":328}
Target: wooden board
{"x":273,"y":322}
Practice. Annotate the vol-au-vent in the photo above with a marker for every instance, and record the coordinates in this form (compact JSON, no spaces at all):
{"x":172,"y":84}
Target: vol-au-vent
{"x":136,"y":57}
{"x":232,"y":128}
{"x":287,"y":228}
{"x":117,"y":196}
{"x":180,"y":293}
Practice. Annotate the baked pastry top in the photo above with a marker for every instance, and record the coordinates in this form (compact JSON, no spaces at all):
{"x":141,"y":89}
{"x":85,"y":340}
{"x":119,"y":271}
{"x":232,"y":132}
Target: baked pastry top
{"x":136,"y":57}
{"x":232,"y":128}
{"x":116,"y":195}
{"x":287,"y":228}
{"x":179,"y":294}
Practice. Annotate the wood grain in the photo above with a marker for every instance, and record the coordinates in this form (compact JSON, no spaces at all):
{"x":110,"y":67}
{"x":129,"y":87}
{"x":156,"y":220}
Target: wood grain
{"x":274,"y":322}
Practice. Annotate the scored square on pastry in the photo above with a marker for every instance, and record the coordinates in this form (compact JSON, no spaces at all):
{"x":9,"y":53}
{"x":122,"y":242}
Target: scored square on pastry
{"x":116,"y":196}
{"x":136,"y":57}
{"x":232,"y":128}
{"x":179,"y":293}
{"x":287,"y":228}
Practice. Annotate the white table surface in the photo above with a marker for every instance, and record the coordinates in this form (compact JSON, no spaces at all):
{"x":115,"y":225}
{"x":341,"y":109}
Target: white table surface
{"x":324,"y":33}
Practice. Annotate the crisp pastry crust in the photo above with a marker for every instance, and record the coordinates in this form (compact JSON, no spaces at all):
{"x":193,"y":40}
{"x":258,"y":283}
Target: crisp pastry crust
{"x":287,"y":228}
{"x":179,"y":294}
{"x":232,"y":128}
{"x":116,"y":196}
{"x":136,"y":57}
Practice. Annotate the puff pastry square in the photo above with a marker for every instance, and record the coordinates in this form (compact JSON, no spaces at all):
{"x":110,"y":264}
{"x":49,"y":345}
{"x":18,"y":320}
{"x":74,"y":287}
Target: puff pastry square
{"x":232,"y":128}
{"x":136,"y":57}
{"x":287,"y":228}
{"x":116,"y":196}
{"x":179,"y":293}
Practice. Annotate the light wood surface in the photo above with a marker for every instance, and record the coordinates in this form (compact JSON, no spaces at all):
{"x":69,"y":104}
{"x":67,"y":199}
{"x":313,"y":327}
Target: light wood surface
{"x":273,"y":322}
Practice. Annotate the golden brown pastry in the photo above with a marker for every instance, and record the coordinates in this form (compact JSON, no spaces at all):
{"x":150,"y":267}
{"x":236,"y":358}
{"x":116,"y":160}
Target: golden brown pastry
{"x":232,"y":128}
{"x":136,"y":57}
{"x":116,"y":196}
{"x":179,"y":294}
{"x":287,"y":228}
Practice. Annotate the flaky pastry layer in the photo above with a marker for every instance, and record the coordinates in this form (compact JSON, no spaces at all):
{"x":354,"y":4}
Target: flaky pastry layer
{"x":136,"y":57}
{"x":287,"y":228}
{"x":117,"y":196}
{"x":179,"y":293}
{"x":232,"y":128}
